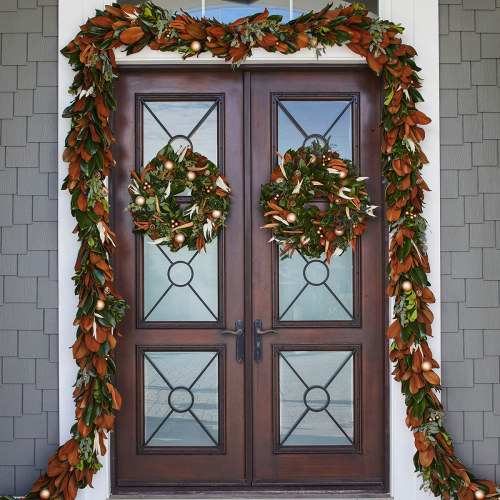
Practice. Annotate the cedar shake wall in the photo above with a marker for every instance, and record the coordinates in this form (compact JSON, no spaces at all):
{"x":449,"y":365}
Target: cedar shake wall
{"x":28,"y":244}
{"x":470,"y":128}
{"x":470,"y":229}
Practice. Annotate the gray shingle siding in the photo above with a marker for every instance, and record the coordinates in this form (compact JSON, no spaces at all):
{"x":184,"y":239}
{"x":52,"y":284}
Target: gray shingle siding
{"x":28,"y":251}
{"x":470,"y":108}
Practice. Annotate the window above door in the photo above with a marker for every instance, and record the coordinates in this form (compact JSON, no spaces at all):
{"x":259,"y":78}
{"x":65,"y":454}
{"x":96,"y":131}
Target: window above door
{"x":227,"y":11}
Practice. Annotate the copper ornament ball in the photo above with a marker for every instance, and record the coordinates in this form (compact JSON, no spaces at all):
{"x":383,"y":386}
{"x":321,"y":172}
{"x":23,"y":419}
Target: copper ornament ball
{"x":407,"y":286}
{"x":343,"y":175}
{"x":195,"y":46}
{"x":140,"y":200}
{"x":426,"y":365}
{"x":313,"y":159}
{"x":179,"y":238}
{"x":291,"y":218}
{"x":191,"y":176}
{"x":100,"y":305}
{"x":169,"y":165}
{"x":304,"y":239}
{"x":216,"y":214}
{"x":279,"y":180}
{"x":339,"y":232}
{"x":44,"y":494}
{"x":479,"y":494}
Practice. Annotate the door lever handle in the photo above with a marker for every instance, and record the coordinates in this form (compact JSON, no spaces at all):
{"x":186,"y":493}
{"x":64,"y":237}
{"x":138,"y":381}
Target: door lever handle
{"x":240,"y":340}
{"x":258,"y":332}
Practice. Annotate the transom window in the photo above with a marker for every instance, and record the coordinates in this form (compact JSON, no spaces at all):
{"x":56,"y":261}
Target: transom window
{"x":229,"y":10}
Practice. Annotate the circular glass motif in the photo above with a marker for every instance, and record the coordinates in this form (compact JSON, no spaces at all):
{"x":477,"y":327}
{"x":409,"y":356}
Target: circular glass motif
{"x":316,"y":272}
{"x":181,"y":399}
{"x":180,"y":274}
{"x":316,"y":398}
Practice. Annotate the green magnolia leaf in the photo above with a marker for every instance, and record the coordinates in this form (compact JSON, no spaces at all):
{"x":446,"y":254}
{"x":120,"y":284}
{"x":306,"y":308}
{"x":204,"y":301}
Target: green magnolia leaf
{"x":87,"y":413}
{"x":418,"y":409}
{"x":404,"y":250}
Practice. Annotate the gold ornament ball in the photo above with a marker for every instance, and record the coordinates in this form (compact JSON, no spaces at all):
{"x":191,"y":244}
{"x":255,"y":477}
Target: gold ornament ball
{"x":179,"y":238}
{"x":169,"y":165}
{"x":216,"y":214}
{"x":343,"y":175}
{"x":100,"y":305}
{"x":140,"y":200}
{"x":195,"y":46}
{"x":291,"y":218}
{"x":407,"y":286}
{"x":339,"y":232}
{"x":44,"y":494}
{"x":479,"y":494}
{"x":426,"y":366}
{"x":191,"y":176}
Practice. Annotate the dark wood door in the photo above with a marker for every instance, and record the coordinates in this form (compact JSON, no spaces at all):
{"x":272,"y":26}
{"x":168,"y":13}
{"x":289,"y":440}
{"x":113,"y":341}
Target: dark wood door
{"x":182,"y":420}
{"x":319,"y":391}
{"x":307,"y":407}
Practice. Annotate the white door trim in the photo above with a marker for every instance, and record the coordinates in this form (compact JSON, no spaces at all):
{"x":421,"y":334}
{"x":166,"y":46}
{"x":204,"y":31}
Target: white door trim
{"x":420,"y":19}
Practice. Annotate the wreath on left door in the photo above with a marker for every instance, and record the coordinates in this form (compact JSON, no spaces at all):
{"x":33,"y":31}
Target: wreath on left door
{"x":156,"y":210}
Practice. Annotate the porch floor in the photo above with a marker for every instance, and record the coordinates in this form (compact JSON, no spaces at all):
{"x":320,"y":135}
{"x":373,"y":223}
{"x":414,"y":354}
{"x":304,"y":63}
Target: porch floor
{"x":266,"y":496}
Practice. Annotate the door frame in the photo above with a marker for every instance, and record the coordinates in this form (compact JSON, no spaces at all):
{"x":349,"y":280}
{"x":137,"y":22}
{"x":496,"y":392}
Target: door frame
{"x":421,"y":20}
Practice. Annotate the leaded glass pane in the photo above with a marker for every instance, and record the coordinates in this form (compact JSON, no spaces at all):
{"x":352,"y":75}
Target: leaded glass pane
{"x":301,"y":122}
{"x":181,"y":123}
{"x":180,"y":286}
{"x":313,"y":290}
{"x":316,"y":398}
{"x":181,"y":398}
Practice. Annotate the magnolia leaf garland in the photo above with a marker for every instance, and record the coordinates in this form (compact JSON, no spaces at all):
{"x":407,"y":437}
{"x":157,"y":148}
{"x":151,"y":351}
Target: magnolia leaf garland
{"x":156,"y":211}
{"x":91,"y":55}
{"x":315,"y":172}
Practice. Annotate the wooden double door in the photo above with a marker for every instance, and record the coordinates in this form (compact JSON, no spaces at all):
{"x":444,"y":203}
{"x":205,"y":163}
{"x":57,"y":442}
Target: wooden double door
{"x":239,"y":370}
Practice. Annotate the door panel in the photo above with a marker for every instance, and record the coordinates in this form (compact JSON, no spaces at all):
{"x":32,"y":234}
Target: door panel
{"x":318,"y":394}
{"x":182,"y":420}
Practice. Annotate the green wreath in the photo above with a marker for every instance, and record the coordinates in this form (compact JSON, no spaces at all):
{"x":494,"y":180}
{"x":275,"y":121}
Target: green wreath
{"x":315,"y":172}
{"x":157,"y":212}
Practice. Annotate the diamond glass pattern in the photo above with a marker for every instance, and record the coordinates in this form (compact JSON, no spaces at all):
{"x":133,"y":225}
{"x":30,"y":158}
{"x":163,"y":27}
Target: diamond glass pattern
{"x":180,"y":286}
{"x":313,"y":290}
{"x":181,"y":123}
{"x":302,"y":121}
{"x":181,"y":398}
{"x":316,"y":398}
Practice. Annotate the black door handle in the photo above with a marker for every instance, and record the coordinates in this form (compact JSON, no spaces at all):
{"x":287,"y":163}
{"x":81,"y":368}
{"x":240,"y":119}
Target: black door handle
{"x":240,"y":340}
{"x":257,"y":339}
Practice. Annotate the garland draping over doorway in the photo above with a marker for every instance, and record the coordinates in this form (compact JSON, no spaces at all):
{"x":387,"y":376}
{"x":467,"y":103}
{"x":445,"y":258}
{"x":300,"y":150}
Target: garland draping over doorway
{"x":91,"y":55}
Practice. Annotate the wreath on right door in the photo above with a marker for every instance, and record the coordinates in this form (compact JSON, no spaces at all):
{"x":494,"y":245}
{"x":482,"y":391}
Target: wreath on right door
{"x":310,"y":173}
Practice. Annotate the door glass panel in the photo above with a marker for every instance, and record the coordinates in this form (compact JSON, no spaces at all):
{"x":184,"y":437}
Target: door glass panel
{"x":313,"y":290}
{"x":180,"y":286}
{"x":181,"y":123}
{"x":181,"y":399}
{"x":300,"y":122}
{"x":316,"y":398}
